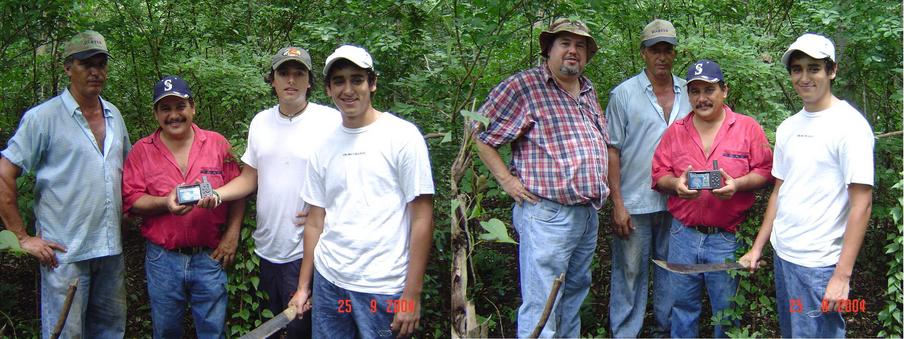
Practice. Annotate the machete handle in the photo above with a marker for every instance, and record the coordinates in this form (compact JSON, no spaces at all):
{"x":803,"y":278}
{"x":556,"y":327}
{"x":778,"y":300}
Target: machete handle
{"x":759,"y":264}
{"x":290,"y":312}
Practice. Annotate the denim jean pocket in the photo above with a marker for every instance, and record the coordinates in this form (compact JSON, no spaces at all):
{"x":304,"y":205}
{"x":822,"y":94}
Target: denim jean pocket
{"x":676,"y":228}
{"x":729,"y":238}
{"x":213,"y":261}
{"x":545,"y":210}
{"x":154,"y":252}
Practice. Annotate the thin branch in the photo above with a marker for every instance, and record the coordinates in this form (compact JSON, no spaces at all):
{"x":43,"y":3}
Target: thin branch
{"x":551,"y":300}
{"x":889,"y":134}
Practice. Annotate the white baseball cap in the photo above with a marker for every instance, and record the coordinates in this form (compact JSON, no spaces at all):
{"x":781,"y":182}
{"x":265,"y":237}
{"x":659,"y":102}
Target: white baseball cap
{"x":355,"y":54}
{"x":814,"y":45}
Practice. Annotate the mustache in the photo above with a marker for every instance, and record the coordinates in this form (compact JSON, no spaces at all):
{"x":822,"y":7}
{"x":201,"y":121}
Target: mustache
{"x":174,"y":120}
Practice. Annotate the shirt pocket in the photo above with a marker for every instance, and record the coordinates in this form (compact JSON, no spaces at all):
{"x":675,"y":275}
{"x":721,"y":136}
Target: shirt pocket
{"x":736,"y":163}
{"x":214,"y":175}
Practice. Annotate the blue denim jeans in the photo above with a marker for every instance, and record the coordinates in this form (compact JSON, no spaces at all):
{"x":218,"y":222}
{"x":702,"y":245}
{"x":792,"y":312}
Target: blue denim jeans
{"x":175,"y":281}
{"x":280,"y":281}
{"x":688,"y":246}
{"x":99,"y":306}
{"x":340,"y":313}
{"x":629,"y":283}
{"x":798,"y":294}
{"x":554,"y":239}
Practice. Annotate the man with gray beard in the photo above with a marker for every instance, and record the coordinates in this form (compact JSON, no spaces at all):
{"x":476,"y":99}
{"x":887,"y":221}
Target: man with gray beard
{"x":557,"y":177}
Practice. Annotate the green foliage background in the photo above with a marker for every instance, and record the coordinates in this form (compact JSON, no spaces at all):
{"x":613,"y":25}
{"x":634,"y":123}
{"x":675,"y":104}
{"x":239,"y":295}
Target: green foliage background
{"x":436,"y":58}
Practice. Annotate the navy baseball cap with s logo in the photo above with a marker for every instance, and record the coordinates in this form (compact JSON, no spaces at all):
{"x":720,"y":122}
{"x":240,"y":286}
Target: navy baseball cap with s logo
{"x":171,"y":85}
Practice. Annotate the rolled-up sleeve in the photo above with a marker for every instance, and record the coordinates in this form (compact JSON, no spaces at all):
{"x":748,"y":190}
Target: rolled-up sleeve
{"x":616,"y":120}
{"x":231,"y":167}
{"x":760,"y":153}
{"x":662,"y":158}
{"x":508,"y":118}
{"x":26,"y":146}
{"x":134,"y":185}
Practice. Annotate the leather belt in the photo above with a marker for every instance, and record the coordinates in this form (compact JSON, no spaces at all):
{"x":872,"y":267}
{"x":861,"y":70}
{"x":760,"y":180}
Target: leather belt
{"x":707,"y":229}
{"x":190,"y":250}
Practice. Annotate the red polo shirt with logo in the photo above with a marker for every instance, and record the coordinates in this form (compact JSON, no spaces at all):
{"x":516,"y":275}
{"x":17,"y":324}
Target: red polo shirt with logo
{"x":740,"y":146}
{"x":152,"y":169}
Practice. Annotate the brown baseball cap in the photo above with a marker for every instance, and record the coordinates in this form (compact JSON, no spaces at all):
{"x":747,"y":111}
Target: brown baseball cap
{"x":85,"y":45}
{"x":567,"y":25}
{"x":658,"y":31}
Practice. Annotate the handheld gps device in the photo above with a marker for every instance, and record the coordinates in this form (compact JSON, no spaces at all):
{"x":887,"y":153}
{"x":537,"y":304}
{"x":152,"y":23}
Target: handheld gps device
{"x":191,"y":194}
{"x":705,"y":180}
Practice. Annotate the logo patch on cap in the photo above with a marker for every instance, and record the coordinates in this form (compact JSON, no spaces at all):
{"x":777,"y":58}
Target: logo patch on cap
{"x":706,"y":70}
{"x":294,"y":52}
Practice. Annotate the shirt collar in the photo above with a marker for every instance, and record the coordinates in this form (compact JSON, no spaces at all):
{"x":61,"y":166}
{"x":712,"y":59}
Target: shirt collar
{"x":677,"y":83}
{"x":730,"y":117}
{"x":547,"y":75}
{"x":155,"y":138}
{"x":72,"y":106}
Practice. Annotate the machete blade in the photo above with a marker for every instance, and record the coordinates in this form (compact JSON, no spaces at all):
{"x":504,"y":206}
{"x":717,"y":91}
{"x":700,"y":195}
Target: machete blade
{"x":697,"y":268}
{"x":277,"y":323}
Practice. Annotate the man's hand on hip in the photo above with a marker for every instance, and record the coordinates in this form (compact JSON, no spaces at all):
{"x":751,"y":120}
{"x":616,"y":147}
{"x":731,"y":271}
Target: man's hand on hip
{"x":42,"y":249}
{"x":515,"y":189}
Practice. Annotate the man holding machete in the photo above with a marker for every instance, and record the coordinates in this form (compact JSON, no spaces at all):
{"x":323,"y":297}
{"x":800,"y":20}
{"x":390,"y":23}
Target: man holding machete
{"x":705,"y":220}
{"x":821,"y":203}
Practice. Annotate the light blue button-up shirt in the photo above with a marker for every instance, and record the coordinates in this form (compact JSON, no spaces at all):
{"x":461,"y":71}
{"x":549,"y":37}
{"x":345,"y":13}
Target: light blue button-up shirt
{"x":78,"y":188}
{"x":636,"y":123}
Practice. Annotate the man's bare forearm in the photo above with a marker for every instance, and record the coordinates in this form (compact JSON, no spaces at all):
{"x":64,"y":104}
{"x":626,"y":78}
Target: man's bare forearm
{"x":236,"y":215}
{"x":421,"y":242}
{"x":765,"y":231}
{"x":861,"y":200}
{"x":615,"y":177}
{"x":491,"y":158}
{"x":9,"y":194}
{"x":668,"y":183}
{"x":240,"y":186}
{"x":312,"y":230}
{"x":149,"y":205}
{"x":749,"y":182}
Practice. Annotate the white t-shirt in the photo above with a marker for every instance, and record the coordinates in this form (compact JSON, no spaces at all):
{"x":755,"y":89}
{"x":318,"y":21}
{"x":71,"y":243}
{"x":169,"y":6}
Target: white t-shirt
{"x":279,"y":147}
{"x":364,"y":178}
{"x":818,"y":154}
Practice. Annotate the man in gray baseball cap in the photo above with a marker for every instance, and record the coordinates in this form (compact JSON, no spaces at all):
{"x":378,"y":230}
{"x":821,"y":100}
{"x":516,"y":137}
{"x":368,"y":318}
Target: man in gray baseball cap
{"x":639,"y":111}
{"x":85,"y":45}
{"x":76,"y":134}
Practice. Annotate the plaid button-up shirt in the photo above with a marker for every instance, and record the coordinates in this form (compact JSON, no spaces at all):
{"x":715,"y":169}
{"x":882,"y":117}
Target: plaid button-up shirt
{"x":558,"y":141}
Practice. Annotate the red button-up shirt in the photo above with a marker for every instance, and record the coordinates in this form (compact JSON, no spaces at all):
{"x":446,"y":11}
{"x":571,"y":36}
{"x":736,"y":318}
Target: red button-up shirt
{"x":740,"y":146}
{"x":558,"y":140}
{"x":151,"y":169}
